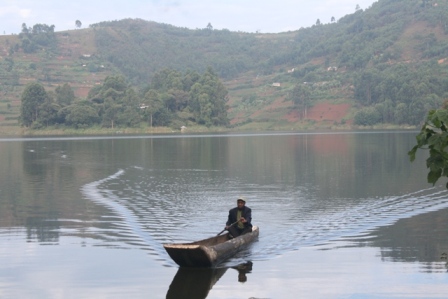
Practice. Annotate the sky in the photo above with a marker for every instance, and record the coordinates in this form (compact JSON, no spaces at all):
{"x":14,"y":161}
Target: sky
{"x":235,"y":15}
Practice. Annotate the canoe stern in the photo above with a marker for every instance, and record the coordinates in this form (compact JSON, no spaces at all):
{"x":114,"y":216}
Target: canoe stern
{"x":187,"y":255}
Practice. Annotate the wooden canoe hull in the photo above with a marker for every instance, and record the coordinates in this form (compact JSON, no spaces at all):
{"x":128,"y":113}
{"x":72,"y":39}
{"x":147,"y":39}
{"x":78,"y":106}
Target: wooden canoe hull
{"x":209,"y":252}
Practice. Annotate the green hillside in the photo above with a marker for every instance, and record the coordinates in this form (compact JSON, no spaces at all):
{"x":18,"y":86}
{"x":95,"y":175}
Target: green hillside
{"x":382,"y":65}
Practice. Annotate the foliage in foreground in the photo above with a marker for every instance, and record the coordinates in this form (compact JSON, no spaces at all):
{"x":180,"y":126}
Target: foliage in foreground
{"x":434,"y":136}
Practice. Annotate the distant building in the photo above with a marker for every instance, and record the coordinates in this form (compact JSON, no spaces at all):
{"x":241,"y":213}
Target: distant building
{"x":276,"y":84}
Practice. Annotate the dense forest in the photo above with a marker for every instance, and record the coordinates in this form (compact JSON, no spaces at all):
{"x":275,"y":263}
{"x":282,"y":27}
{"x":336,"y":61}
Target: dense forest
{"x":387,"y":61}
{"x":172,"y":99}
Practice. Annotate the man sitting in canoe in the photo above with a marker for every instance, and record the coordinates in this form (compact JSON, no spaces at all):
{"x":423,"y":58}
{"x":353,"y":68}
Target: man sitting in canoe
{"x":239,"y":220}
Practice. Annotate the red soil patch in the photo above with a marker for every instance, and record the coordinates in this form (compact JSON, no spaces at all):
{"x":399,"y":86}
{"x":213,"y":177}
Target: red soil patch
{"x":238,"y":118}
{"x":321,"y":112}
{"x":82,"y":92}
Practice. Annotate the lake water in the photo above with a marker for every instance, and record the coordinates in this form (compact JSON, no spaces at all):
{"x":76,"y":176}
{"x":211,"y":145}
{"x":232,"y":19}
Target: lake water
{"x":341,"y":215}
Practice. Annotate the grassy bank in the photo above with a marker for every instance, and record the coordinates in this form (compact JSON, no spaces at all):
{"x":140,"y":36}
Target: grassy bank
{"x":52,"y":131}
{"x":249,"y":127}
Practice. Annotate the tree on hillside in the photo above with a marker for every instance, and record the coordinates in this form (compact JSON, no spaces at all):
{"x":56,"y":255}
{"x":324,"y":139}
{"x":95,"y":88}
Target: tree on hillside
{"x":403,"y":94}
{"x":80,"y":115}
{"x":365,"y":86}
{"x":64,"y":95}
{"x":117,"y":83}
{"x":40,"y":35}
{"x":425,"y":3}
{"x":115,"y":99}
{"x":113,"y":89}
{"x":48,"y":112}
{"x":25,"y":30}
{"x":42,"y":28}
{"x":189,"y":96}
{"x":78,"y":24}
{"x":301,"y":97}
{"x":152,"y":105}
{"x":208,"y":100}
{"x":33,"y":97}
{"x":111,"y":114}
{"x":367,"y":116}
{"x":130,"y":116}
{"x":171,"y":99}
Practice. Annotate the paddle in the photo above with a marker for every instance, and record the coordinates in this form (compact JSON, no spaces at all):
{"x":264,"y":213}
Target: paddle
{"x":228,"y":227}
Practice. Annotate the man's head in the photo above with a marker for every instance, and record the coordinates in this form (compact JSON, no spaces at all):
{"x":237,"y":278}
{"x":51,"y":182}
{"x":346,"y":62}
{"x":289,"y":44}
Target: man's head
{"x":241,"y":202}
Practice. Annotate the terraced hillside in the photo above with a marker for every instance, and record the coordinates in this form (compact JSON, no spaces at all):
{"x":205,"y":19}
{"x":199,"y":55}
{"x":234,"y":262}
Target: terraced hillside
{"x":75,"y":62}
{"x":386,"y":64}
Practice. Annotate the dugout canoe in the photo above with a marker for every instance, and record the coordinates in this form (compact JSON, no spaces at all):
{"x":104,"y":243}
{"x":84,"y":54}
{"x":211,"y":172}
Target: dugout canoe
{"x":209,"y":252}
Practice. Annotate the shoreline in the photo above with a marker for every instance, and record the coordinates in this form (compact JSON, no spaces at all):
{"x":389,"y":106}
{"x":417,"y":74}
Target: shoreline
{"x":26,"y":132}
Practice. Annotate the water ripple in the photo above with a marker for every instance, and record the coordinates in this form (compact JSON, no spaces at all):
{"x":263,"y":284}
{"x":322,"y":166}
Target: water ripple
{"x":153,"y":209}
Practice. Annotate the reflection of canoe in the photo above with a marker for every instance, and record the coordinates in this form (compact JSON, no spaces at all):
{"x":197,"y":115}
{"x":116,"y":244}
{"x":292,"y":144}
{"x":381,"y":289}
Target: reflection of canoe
{"x":209,"y":252}
{"x":194,"y":283}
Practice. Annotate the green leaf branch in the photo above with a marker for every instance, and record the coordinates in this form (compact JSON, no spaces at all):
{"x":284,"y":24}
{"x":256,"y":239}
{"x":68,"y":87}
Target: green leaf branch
{"x":434,"y":137}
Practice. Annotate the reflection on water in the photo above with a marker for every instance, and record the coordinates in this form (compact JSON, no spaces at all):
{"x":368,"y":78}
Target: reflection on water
{"x":195,"y":283}
{"x":243,"y":270}
{"x":306,"y":191}
{"x":422,"y":238}
{"x":46,"y":232}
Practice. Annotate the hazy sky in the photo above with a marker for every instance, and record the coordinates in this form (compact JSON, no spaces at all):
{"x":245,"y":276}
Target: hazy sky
{"x":235,"y":15}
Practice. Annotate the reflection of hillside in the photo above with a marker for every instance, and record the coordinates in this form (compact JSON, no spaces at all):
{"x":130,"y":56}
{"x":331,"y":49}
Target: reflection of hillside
{"x":10,"y":178}
{"x":341,"y":165}
{"x":330,"y":144}
{"x":41,"y":180}
{"x":39,"y":184}
{"x":42,"y":229}
{"x":423,"y":238}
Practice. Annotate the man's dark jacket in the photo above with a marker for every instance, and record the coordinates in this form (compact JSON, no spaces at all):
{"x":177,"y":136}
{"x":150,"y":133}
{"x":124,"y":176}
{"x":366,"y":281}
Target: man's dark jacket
{"x":246,"y":213}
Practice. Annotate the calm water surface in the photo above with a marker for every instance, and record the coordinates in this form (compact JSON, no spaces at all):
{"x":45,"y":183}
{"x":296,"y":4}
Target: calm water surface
{"x":341,"y":215}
